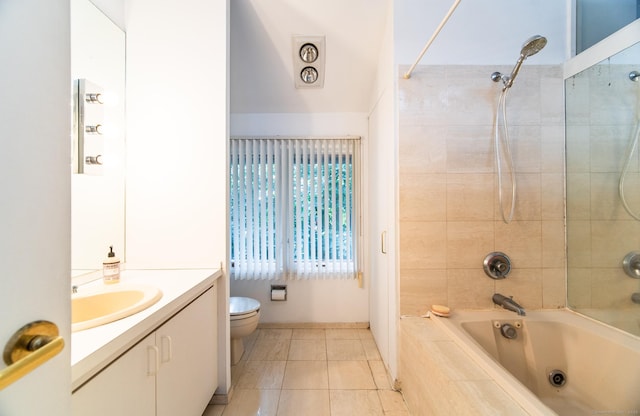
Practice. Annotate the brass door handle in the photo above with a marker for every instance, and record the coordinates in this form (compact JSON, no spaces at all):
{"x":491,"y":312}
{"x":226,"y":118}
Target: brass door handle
{"x":31,"y":346}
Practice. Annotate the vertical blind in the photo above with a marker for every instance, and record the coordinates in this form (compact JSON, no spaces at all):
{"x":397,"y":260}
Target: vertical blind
{"x":294,"y":207}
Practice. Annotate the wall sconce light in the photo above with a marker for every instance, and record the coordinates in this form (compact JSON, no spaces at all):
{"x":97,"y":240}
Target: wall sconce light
{"x":308,"y":61}
{"x":95,"y":98}
{"x":88,"y":128}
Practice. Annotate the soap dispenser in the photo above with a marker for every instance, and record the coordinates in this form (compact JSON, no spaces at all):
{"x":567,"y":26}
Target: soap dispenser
{"x":111,"y":268}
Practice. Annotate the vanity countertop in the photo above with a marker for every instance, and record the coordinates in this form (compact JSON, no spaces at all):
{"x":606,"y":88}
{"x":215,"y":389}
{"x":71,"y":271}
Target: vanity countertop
{"x":93,"y":349}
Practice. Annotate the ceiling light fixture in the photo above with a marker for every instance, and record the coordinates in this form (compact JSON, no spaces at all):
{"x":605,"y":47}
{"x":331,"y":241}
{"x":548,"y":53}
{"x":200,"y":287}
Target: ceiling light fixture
{"x":308,"y":61}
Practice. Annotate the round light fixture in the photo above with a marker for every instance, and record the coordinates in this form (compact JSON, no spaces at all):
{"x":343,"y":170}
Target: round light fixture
{"x":308,"y":52}
{"x":309,"y":75}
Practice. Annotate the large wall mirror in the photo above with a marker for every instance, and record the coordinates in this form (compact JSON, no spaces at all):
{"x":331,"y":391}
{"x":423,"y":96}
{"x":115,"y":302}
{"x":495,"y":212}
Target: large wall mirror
{"x":98,"y":200}
{"x":603,"y":190}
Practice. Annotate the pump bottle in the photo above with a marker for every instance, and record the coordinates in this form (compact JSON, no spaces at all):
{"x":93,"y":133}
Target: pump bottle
{"x":111,"y":268}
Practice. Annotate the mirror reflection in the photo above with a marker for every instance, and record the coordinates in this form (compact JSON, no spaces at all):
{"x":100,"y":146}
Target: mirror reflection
{"x":603,"y":190}
{"x":97,"y":200}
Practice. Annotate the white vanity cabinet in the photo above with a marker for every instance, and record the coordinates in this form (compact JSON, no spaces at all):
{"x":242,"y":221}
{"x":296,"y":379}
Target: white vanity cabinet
{"x":172,"y":371}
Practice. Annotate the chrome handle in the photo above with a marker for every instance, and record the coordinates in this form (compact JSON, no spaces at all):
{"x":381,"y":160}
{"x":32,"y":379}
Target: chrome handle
{"x":30,"y":347}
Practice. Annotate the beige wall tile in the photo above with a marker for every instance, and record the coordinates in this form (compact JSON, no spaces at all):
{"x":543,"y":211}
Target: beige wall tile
{"x":528,"y":197}
{"x":553,"y":244}
{"x":423,"y":245}
{"x":470,"y":288}
{"x":422,"y":288}
{"x":422,"y":149}
{"x":525,"y":285}
{"x":552,"y":196}
{"x":423,"y":197}
{"x":469,"y":196}
{"x":554,"y":288}
{"x":579,"y":287}
{"x":521,"y":241}
{"x":468,"y":242}
{"x":469,"y":149}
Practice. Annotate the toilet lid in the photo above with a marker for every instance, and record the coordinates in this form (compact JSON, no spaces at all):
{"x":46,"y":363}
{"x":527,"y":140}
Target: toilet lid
{"x":241,"y":306}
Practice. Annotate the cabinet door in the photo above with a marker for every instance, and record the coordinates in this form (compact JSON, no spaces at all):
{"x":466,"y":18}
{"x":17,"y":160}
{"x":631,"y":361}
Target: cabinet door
{"x":125,"y":388}
{"x":188,"y":375}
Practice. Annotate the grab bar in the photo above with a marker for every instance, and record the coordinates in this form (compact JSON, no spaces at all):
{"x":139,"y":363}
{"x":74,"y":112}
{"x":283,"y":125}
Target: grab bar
{"x":407,"y":75}
{"x":31,"y":346}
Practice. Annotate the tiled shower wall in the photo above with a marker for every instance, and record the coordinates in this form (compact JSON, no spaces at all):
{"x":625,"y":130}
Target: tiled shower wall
{"x":602,"y":113}
{"x":449,"y":215}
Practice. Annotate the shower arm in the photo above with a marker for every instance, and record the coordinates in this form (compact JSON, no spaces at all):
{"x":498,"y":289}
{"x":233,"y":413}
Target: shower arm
{"x":407,"y":75}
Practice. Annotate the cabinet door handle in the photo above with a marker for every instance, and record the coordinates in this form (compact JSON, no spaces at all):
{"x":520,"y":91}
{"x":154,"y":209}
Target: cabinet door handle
{"x":166,"y":345}
{"x":153,"y":360}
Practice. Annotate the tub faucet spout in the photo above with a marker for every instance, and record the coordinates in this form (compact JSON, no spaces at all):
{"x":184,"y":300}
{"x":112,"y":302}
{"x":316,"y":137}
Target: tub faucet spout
{"x":508,"y":303}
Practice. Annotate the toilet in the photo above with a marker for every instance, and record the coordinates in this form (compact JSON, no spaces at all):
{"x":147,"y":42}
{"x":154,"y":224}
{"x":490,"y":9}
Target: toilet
{"x":244,"y":314}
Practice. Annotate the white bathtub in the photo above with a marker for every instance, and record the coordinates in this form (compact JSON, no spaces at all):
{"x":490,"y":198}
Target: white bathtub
{"x":601,"y":364}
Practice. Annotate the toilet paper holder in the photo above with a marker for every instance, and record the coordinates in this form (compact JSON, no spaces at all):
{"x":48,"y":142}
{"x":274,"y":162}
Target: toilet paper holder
{"x":278,"y":292}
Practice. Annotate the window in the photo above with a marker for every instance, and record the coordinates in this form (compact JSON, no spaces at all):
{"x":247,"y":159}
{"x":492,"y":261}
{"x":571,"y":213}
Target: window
{"x":293,"y":207}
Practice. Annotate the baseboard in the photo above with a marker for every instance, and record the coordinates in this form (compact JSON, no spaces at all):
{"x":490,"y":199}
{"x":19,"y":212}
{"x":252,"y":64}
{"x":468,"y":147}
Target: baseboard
{"x":313,"y":325}
{"x":222,"y":399}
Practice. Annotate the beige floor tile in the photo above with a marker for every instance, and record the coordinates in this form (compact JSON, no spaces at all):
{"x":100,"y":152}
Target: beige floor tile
{"x":270,"y":350}
{"x":345,"y":349}
{"x":236,"y":371}
{"x":371,"y":349}
{"x":262,"y":375}
{"x":304,"y":402}
{"x":275,"y":333}
{"x":365,"y":334}
{"x":214,"y":410}
{"x":350,"y":375}
{"x":306,"y":375}
{"x":355,"y":403}
{"x":308,"y":333}
{"x":380,"y":375}
{"x":392,"y":401}
{"x":308,"y":349}
{"x":342,"y":333}
{"x":252,"y":402}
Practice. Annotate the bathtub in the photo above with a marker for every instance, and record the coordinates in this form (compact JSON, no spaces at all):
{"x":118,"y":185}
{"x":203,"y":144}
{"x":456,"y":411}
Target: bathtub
{"x":599,"y":365}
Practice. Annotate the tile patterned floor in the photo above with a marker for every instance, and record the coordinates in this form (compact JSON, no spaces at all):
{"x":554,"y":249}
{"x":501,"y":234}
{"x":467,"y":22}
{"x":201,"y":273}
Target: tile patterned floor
{"x":309,"y":372}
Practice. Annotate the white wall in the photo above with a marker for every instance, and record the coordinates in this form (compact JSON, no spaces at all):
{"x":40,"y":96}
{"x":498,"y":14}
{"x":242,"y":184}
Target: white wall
{"x":480,"y":31}
{"x":314,"y":300}
{"x":177,"y":117}
{"x":176,"y":134}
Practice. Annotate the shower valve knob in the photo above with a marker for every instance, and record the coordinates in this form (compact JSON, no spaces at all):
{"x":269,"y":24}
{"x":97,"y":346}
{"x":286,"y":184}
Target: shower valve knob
{"x":497,"y":265}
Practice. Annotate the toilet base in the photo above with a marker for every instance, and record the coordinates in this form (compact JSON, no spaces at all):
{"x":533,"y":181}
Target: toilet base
{"x":237,"y":349}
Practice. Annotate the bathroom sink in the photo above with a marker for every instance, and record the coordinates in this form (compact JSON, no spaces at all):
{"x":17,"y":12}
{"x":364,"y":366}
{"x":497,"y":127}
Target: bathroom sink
{"x":109,"y":303}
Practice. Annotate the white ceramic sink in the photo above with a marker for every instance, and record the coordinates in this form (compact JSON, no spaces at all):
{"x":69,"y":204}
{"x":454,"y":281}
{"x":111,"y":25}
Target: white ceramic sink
{"x":108,"y":303}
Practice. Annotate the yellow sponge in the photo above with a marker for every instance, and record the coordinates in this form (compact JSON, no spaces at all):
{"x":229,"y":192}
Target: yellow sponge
{"x":440,"y":310}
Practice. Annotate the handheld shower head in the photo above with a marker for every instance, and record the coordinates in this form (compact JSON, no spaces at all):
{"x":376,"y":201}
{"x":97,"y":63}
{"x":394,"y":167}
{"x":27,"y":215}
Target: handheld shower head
{"x":531,"y":46}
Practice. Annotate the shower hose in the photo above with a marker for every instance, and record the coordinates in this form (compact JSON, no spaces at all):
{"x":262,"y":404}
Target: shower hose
{"x":631,"y":148}
{"x":503,"y":141}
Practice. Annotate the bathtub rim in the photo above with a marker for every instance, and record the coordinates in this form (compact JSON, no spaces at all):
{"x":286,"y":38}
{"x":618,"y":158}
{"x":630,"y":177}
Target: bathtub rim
{"x":525,"y":398}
